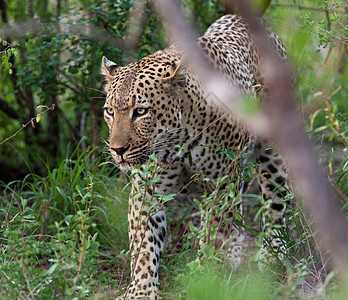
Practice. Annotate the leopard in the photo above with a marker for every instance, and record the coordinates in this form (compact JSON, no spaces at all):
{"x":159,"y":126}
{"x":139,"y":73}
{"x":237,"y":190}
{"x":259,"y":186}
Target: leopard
{"x":157,"y":109}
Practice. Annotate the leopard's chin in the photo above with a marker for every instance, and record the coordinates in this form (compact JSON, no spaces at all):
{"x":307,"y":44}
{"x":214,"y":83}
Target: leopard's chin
{"x":126,"y":165}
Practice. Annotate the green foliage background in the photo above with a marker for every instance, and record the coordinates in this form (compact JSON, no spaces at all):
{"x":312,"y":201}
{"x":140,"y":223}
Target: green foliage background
{"x":63,"y":211}
{"x":59,"y":45}
{"x":54,"y":49}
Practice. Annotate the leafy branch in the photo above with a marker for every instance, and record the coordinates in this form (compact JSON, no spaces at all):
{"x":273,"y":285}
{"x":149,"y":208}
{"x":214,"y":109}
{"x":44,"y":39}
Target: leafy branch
{"x":335,"y":22}
{"x":31,"y":121}
{"x":7,"y":51}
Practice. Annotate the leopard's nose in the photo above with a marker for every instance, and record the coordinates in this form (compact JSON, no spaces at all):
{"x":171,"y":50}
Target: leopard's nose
{"x":121,"y":150}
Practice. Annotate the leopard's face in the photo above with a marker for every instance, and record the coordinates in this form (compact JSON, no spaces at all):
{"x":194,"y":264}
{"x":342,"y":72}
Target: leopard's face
{"x":142,"y":106}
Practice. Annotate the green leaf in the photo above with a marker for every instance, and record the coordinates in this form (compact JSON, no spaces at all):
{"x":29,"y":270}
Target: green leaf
{"x":52,"y":268}
{"x":168,"y":197}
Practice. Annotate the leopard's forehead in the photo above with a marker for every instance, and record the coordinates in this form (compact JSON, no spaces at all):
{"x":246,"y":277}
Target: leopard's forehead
{"x":120,"y":89}
{"x":138,"y":79}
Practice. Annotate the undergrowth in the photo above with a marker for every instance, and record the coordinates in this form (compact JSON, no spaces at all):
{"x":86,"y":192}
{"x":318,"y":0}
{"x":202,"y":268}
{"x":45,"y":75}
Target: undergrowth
{"x":53,"y":227}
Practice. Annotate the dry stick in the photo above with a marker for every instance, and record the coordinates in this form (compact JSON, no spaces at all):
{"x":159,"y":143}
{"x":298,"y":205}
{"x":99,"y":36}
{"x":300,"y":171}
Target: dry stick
{"x":338,"y":190}
{"x":280,"y":119}
{"x":31,"y":121}
{"x":310,"y":252}
{"x":286,"y":130}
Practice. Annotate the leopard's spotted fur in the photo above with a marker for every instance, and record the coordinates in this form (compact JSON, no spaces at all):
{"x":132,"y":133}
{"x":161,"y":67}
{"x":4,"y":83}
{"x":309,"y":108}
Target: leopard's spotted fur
{"x":157,"y":103}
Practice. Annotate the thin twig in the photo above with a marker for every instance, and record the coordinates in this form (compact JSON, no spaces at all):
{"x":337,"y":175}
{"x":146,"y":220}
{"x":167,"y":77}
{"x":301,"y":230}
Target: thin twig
{"x":31,"y":121}
{"x":338,"y":190}
{"x":335,"y":13}
{"x":297,"y":6}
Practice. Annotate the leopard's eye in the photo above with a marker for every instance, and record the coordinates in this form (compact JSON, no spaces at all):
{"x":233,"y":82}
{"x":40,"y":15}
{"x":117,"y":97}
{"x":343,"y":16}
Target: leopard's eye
{"x":140,"y":112}
{"x":109,"y":111}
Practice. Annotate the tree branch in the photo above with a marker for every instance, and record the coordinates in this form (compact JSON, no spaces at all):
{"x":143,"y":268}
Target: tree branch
{"x":279,"y":118}
{"x":287,"y":131}
{"x":31,"y":121}
{"x":297,"y":6}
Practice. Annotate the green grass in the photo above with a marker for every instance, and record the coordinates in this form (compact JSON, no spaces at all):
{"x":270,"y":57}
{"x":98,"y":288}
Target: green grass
{"x":53,"y":227}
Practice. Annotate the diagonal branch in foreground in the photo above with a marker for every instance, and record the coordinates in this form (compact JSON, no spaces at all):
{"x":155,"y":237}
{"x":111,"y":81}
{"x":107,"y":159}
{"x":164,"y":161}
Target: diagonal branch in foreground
{"x":287,"y":131}
{"x":279,"y":119}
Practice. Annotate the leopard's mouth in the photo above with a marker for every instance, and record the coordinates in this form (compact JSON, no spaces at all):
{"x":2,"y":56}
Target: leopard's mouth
{"x":129,"y":161}
{"x":142,"y":155}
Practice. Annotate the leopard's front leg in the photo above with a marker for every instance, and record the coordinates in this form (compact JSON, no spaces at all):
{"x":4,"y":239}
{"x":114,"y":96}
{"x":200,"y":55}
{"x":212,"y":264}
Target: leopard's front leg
{"x":273,"y":183}
{"x":147,"y":229}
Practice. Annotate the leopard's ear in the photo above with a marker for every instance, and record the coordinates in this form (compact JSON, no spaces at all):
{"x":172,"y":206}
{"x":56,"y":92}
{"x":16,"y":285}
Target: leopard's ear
{"x":176,"y":75}
{"x":109,"y":68}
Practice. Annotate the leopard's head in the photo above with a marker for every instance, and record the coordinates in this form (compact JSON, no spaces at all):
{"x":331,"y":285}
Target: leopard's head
{"x":143,"y":106}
